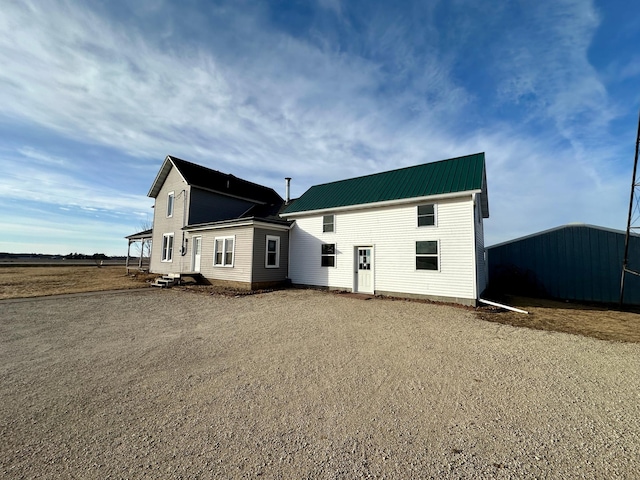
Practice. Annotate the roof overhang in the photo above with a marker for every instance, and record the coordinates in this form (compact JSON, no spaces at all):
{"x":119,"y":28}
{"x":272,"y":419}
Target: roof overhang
{"x":387,"y":203}
{"x":167,"y":165}
{"x":145,"y":235}
{"x":484,"y":197}
{"x":240,"y":222}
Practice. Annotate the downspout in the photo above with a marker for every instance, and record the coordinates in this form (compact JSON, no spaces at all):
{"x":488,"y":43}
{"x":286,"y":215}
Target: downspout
{"x":183,"y":245}
{"x":289,"y":251}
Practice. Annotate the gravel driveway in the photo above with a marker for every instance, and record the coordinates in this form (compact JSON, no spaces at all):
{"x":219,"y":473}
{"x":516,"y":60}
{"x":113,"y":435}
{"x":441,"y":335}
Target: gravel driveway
{"x":305,"y":384}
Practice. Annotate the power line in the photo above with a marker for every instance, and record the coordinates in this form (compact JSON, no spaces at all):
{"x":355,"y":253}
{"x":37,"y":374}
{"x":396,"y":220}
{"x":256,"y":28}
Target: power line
{"x":633,"y":220}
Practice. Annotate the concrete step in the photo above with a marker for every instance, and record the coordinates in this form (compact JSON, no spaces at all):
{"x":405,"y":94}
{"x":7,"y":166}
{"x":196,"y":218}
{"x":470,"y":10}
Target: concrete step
{"x":167,"y":281}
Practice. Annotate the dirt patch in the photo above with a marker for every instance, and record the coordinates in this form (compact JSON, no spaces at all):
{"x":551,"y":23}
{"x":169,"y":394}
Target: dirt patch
{"x":587,"y":320}
{"x":22,"y":282}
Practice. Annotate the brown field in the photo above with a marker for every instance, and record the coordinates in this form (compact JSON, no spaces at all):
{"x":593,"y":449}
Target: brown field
{"x":591,"y":321}
{"x":22,"y":282}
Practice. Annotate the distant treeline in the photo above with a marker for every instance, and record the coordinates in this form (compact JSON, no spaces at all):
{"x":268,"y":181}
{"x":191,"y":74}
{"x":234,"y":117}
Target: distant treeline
{"x":70,"y":256}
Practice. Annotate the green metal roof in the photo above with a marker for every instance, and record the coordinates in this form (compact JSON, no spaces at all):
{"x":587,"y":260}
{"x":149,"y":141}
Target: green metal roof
{"x":446,"y":176}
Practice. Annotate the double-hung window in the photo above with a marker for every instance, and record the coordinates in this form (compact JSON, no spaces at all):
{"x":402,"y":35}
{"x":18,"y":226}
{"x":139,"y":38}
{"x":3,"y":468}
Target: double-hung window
{"x":328,"y":255}
{"x":170,"y":201}
{"x":223,"y":251}
{"x":272,"y":259}
{"x":167,"y":247}
{"x":427,"y":255}
{"x":328,"y":223}
{"x":426,"y":215}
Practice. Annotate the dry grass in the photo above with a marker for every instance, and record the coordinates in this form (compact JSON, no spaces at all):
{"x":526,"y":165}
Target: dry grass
{"x":590,"y":321}
{"x":21,"y":282}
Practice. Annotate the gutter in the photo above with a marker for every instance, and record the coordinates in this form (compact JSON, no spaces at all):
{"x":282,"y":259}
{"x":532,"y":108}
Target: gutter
{"x":245,"y":222}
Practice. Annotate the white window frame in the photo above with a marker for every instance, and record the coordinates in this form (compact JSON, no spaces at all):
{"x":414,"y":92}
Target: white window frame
{"x":171,"y":203}
{"x":277,"y":252}
{"x":225,"y":243}
{"x":428,"y":255}
{"x":327,"y":255}
{"x":333,"y":224}
{"x":168,"y":241}
{"x":435,"y":215}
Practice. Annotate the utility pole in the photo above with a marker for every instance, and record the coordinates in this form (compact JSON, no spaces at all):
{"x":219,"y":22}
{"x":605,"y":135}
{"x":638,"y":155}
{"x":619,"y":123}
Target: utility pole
{"x":633,"y":222}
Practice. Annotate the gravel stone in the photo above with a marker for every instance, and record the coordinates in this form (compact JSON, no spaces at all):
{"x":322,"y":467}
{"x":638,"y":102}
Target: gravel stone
{"x":305,"y":384}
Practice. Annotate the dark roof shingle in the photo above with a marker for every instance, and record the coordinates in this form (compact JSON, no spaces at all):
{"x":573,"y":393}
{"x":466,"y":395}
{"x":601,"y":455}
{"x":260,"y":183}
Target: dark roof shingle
{"x":206,"y":178}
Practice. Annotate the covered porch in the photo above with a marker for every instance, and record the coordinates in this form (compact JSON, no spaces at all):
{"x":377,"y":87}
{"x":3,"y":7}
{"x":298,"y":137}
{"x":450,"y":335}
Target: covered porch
{"x":141,"y":258}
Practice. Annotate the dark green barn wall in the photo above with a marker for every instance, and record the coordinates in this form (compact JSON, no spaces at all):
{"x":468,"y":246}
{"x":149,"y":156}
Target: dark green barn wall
{"x":575,"y":262}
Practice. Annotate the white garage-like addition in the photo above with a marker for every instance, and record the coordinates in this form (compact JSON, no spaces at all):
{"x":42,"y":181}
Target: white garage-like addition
{"x":415,"y":232}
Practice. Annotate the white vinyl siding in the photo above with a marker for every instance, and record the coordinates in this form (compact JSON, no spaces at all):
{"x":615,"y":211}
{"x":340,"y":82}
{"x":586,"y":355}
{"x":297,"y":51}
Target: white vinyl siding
{"x":163,"y":224}
{"x":393,"y":231}
{"x":242,"y":254}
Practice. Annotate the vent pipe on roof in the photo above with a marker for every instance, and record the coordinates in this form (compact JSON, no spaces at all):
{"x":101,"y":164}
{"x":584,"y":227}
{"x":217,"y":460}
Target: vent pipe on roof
{"x":287,"y":190}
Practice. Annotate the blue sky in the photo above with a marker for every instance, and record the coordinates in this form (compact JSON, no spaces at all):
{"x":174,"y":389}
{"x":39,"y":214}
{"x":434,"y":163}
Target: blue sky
{"x":94,"y":95}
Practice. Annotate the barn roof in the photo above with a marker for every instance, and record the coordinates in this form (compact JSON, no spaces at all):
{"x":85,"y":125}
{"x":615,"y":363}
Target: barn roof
{"x":461,"y":174}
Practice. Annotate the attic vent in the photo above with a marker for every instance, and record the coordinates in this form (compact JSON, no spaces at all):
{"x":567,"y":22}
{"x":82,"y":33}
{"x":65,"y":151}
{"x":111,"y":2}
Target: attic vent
{"x":228,"y":183}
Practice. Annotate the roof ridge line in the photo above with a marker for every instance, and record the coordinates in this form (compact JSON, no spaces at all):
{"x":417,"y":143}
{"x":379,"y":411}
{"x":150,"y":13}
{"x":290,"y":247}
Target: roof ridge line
{"x":398,"y":169}
{"x":222,"y":173}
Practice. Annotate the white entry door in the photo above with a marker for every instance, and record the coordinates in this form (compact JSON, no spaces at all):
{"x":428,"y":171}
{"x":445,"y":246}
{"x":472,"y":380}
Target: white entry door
{"x":364,"y":272}
{"x":197,"y":252}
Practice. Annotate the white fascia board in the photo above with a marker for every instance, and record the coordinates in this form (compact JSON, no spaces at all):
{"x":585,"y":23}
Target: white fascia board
{"x":387,"y":203}
{"x":162,"y":175}
{"x":272,"y":226}
{"x":241,"y":223}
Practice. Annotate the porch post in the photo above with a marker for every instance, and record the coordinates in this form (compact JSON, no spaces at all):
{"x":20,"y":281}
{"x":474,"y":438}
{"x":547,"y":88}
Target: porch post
{"x":141,"y":254}
{"x":128,"y":252}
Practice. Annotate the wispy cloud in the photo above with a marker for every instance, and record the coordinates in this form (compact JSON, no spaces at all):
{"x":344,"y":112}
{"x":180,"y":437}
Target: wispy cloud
{"x":31,"y":175}
{"x":329,"y":96}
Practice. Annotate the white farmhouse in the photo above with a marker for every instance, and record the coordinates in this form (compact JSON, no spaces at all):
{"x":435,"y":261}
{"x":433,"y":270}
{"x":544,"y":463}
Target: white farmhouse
{"x":413,"y":232}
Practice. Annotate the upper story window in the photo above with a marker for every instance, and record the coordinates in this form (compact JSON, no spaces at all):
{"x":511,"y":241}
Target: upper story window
{"x":427,"y":255}
{"x":328,"y":256}
{"x":167,"y":247}
{"x":223,"y":252}
{"x":426,"y":215}
{"x":272,"y":259}
{"x":170,"y":201}
{"x":328,"y":223}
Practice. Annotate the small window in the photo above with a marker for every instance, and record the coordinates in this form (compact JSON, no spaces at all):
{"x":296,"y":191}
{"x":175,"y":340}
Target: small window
{"x":328,"y":223}
{"x":426,"y":215}
{"x":328,"y":255}
{"x":223,"y":252}
{"x":167,"y":247}
{"x":427,"y":255}
{"x":170,"y":202}
{"x":272,"y":259}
